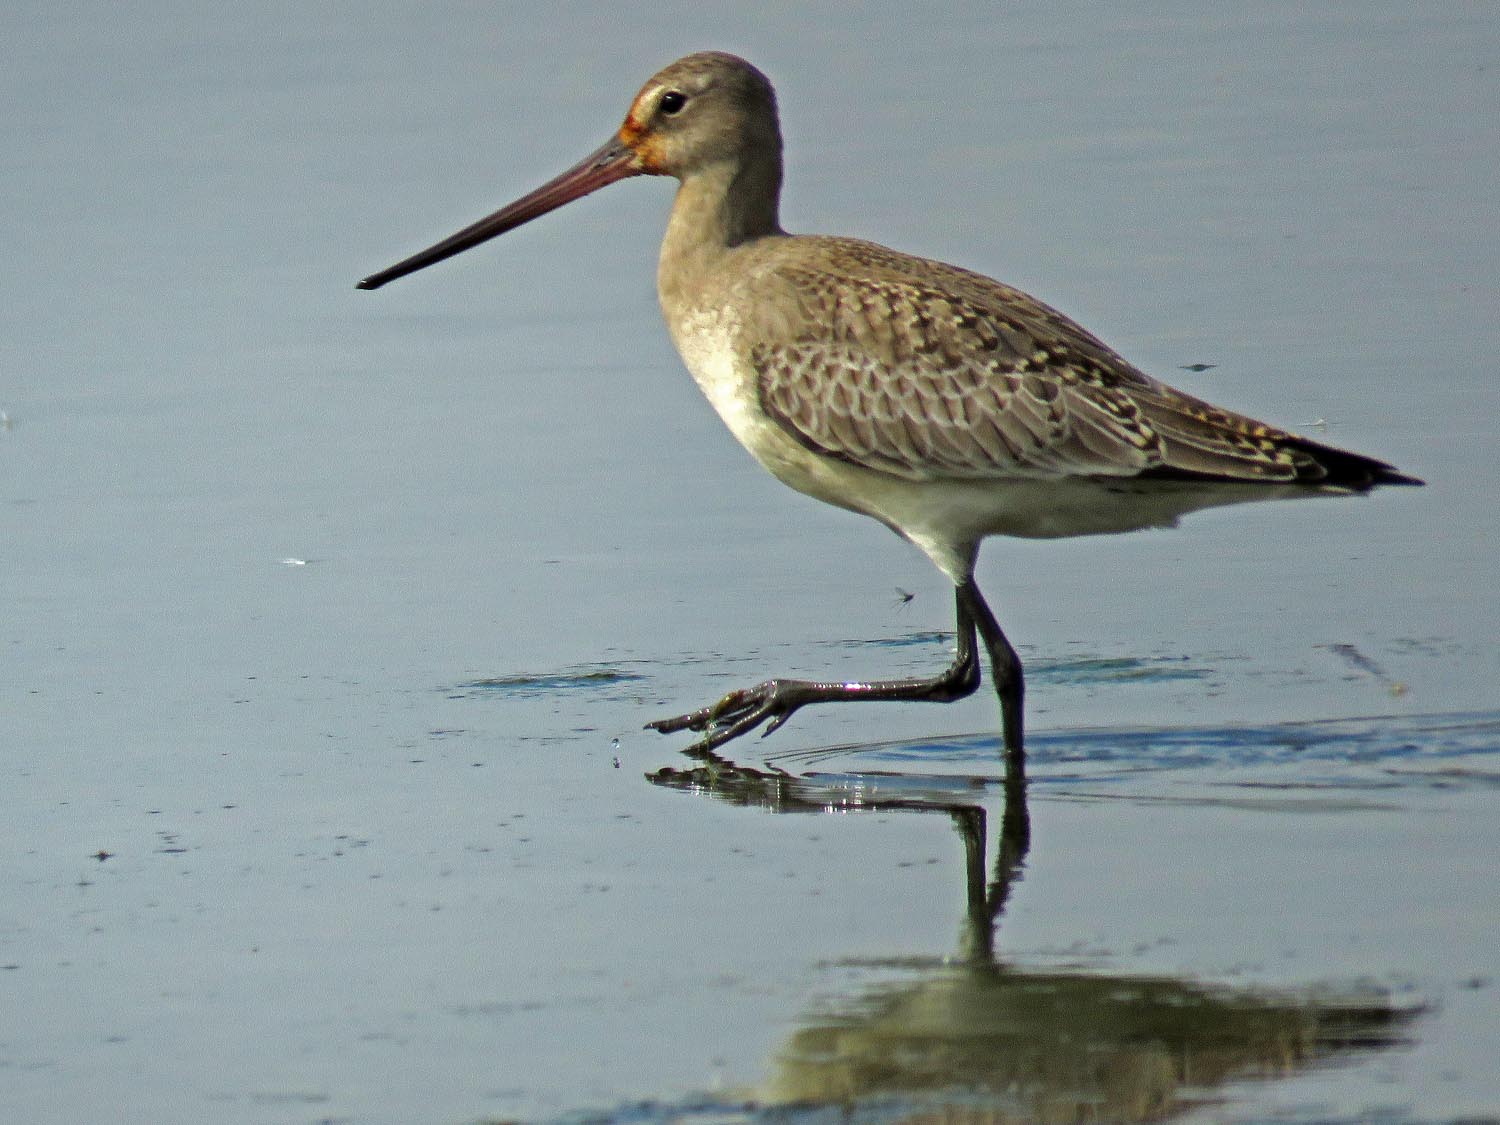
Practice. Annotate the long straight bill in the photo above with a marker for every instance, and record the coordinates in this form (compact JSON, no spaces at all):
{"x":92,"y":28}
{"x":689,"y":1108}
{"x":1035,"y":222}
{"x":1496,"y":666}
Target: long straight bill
{"x":613,"y":161}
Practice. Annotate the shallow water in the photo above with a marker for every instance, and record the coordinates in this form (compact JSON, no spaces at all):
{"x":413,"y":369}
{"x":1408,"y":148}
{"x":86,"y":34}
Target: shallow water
{"x":331,"y":620}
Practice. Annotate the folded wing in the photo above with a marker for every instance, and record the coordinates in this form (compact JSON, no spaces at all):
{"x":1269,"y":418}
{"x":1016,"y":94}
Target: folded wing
{"x":927,"y":371}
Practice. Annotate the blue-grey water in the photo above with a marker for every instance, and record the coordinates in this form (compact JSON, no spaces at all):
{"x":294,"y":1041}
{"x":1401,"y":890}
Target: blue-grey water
{"x":329,"y":621}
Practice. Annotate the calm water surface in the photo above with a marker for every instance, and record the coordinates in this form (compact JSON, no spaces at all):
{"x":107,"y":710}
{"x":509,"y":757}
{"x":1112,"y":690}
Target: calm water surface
{"x":331,"y":620}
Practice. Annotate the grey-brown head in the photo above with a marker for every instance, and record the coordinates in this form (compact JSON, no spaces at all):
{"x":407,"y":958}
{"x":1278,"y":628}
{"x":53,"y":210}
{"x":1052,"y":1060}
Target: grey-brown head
{"x":704,"y":111}
{"x":701,"y":110}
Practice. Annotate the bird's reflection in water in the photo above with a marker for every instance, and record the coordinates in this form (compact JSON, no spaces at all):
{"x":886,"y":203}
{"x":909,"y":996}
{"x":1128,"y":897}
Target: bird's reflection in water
{"x":972,"y":1038}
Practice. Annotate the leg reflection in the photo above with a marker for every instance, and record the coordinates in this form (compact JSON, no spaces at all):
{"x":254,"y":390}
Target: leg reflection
{"x":986,"y":900}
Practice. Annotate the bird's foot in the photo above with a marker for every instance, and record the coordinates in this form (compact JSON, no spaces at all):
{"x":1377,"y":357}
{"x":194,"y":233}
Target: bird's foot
{"x":740,"y":712}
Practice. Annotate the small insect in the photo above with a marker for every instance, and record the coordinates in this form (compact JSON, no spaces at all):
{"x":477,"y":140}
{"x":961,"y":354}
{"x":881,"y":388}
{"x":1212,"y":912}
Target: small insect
{"x":1197,"y":368}
{"x":903,"y":598}
{"x":1363,"y":663}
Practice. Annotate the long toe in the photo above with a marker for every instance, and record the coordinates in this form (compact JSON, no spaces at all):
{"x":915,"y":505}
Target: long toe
{"x":727,"y":707}
{"x":737,"y":713}
{"x":724,"y":732}
{"x":693,"y":720}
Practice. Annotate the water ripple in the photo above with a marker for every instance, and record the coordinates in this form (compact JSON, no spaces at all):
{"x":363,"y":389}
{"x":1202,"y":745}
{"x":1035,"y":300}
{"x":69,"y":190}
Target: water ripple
{"x":1456,"y":750}
{"x":534,"y":685}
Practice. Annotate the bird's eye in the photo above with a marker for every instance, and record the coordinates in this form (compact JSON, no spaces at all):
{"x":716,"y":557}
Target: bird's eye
{"x":672,"y":102}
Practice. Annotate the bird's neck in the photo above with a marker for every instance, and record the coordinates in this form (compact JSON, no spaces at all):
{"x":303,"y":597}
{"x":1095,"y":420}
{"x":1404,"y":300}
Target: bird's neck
{"x":717,"y":209}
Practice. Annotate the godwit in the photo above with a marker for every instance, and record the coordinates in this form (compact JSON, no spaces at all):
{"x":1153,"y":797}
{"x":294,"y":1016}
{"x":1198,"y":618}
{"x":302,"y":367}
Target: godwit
{"x":948,"y":406}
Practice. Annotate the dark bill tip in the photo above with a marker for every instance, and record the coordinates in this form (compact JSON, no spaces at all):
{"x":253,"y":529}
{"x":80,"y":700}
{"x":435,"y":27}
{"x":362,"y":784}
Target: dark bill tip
{"x":613,"y":161}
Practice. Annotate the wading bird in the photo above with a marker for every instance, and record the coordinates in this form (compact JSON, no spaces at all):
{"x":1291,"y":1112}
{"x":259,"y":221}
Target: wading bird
{"x":946,"y":405}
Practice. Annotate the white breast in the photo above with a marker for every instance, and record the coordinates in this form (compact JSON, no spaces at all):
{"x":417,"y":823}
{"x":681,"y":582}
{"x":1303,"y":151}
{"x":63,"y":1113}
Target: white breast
{"x":706,"y":343}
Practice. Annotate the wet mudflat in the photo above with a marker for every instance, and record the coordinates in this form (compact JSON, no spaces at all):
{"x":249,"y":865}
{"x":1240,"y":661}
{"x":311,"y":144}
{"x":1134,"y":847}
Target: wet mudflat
{"x":331,"y":620}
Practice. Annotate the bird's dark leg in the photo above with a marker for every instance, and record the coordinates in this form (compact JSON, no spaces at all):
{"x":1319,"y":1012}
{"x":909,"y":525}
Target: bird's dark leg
{"x":775,"y":700}
{"x":1010,"y":681}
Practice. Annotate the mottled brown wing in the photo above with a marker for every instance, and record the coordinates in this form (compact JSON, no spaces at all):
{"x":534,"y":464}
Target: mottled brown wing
{"x":927,"y":371}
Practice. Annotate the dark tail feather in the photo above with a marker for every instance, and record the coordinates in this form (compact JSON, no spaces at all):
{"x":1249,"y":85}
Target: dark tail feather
{"x":1343,"y":469}
{"x":1315,"y":465}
